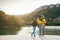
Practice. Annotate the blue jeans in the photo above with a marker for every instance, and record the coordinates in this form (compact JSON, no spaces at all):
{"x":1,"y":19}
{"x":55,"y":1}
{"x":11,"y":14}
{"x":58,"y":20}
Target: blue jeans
{"x":34,"y":29}
{"x":41,"y":30}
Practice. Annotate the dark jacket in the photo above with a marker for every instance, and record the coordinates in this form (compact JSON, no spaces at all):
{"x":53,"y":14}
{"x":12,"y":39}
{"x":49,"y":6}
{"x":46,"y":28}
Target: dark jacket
{"x":34,"y":23}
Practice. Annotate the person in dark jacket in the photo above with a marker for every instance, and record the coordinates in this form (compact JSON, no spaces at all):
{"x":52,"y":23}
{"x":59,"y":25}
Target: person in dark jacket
{"x":34,"y":24}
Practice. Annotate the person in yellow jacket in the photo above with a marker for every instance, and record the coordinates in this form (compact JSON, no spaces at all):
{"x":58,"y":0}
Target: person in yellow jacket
{"x":41,"y":21}
{"x":43,"y":25}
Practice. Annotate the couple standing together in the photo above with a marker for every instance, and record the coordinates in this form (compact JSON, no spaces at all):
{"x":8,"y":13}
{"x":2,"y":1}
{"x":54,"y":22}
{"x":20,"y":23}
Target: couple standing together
{"x":40,"y":22}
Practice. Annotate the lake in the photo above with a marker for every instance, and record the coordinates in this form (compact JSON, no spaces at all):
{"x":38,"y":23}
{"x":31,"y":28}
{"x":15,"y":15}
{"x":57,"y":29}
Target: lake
{"x":51,"y":29}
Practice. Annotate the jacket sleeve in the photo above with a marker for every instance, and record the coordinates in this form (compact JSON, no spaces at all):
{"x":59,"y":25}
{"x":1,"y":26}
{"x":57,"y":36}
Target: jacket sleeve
{"x":38,"y":21}
{"x":44,"y":20}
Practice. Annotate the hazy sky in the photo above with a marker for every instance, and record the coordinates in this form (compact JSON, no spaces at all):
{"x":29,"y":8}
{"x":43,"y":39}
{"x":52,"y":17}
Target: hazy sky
{"x":21,"y":7}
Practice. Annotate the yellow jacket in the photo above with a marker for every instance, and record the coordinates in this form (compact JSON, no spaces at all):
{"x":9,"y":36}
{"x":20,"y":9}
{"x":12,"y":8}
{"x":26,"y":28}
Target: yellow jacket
{"x":38,"y":21}
{"x":43,"y":22}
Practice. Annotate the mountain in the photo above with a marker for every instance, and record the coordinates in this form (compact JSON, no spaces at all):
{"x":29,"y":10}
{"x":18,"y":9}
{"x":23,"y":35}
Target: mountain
{"x":51,"y":13}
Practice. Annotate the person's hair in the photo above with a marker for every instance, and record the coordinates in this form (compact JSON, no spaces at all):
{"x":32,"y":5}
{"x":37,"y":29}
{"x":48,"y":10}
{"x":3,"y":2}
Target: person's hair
{"x":39,"y":16}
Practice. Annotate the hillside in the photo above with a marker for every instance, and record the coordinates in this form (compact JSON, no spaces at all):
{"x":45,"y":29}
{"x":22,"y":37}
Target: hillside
{"x":51,"y":13}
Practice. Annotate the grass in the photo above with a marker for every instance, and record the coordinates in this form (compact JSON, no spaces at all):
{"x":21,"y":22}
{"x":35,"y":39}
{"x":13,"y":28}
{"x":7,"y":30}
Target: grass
{"x":51,"y":32}
{"x":9,"y":31}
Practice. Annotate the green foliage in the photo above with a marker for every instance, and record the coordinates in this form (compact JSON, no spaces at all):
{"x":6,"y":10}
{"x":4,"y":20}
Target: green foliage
{"x":9,"y":24}
{"x":51,"y":32}
{"x":50,"y":14}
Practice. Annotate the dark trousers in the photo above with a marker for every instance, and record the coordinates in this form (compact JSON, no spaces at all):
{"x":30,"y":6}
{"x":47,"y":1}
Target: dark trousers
{"x":41,"y":30}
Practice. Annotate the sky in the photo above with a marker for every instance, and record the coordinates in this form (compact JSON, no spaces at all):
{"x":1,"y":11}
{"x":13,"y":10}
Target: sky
{"x":22,"y":7}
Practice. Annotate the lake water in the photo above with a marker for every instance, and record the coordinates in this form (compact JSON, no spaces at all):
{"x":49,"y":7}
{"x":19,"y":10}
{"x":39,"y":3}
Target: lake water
{"x":27,"y":30}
